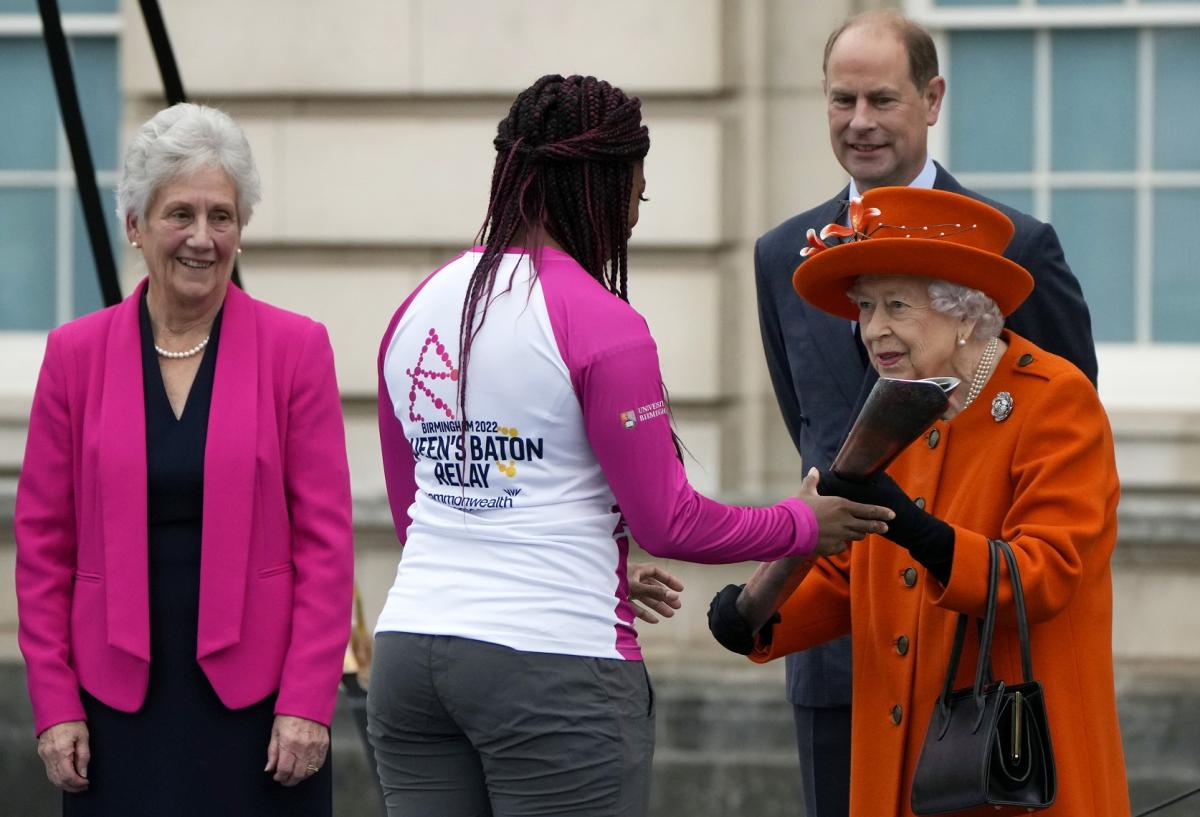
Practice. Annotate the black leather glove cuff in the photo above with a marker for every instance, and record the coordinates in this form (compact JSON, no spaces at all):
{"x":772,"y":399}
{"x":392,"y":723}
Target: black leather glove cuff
{"x":726,"y":623}
{"x":931,"y":542}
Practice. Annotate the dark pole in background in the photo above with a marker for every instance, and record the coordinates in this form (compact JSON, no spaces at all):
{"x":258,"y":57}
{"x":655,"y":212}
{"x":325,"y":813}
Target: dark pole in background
{"x":81,"y":155}
{"x":168,"y":69}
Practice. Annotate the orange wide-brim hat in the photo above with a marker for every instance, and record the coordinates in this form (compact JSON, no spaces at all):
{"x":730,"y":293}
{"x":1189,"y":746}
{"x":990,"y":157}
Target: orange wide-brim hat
{"x":914,"y":232}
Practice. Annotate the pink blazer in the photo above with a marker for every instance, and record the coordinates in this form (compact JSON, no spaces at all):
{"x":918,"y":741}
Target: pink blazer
{"x":277,"y":562}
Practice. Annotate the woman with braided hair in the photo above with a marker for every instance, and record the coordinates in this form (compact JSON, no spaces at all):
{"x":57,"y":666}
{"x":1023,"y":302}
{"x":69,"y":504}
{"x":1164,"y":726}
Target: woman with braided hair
{"x":525,"y":439}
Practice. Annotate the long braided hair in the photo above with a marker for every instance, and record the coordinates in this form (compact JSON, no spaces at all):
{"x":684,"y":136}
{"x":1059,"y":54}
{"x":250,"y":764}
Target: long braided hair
{"x":565,"y":158}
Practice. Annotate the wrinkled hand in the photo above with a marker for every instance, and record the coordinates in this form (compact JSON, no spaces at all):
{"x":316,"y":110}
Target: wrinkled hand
{"x":654,"y":587}
{"x":65,"y":751}
{"x":840,"y":520}
{"x":297,"y":749}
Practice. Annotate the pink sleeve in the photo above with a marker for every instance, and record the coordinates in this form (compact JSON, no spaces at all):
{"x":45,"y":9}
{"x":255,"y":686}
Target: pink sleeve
{"x":44,"y":521}
{"x":317,"y":478}
{"x":625,"y":416}
{"x":399,"y":468}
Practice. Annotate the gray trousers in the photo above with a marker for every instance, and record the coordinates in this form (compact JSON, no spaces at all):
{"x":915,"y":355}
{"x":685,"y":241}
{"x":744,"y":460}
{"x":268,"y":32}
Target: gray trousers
{"x":823,"y":737}
{"x":464,"y":728}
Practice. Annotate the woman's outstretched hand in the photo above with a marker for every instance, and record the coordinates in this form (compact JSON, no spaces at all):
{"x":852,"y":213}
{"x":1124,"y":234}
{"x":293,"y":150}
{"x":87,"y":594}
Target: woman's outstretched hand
{"x":840,"y":521}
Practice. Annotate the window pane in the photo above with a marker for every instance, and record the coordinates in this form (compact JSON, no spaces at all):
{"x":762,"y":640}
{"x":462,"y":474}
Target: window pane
{"x":1094,"y":96}
{"x":1097,"y":232}
{"x":29,"y":124}
{"x":1019,"y":198}
{"x":991,"y":122}
{"x":1176,"y":116}
{"x":975,"y":2}
{"x":64,"y":6}
{"x":94,"y":61}
{"x":1176,"y":284}
{"x":1079,"y":2}
{"x":86,"y":285}
{"x":87,"y":6}
{"x":27,"y":258}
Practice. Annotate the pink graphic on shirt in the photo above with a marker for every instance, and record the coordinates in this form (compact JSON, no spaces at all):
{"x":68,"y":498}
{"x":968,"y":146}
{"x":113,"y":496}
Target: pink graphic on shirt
{"x":419,"y":374}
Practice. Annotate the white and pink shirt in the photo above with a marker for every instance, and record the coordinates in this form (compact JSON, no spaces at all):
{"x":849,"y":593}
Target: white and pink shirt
{"x":516,"y":528}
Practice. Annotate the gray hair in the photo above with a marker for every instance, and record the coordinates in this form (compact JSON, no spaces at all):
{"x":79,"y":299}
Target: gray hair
{"x":183,"y":139}
{"x":960,"y":301}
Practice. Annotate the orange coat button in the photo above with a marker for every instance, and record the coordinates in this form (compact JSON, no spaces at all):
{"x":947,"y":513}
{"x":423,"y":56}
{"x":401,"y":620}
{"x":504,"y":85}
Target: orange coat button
{"x":910,"y":576}
{"x":897,"y":714}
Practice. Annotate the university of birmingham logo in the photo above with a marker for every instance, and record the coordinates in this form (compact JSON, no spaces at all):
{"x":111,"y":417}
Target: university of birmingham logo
{"x":629,"y":418}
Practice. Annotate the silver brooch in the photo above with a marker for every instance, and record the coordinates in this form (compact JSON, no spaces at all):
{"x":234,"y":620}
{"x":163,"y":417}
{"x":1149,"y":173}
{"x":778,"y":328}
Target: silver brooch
{"x":1002,"y":406}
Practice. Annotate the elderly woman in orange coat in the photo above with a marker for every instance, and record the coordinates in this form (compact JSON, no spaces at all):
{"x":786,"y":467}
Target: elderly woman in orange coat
{"x":1024,"y":454}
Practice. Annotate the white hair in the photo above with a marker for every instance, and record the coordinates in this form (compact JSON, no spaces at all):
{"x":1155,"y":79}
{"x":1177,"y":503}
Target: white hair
{"x":960,"y":301}
{"x":180,"y":140}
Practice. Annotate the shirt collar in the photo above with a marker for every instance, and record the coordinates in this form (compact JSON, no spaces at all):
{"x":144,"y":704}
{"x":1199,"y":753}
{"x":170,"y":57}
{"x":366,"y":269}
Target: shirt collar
{"x":924,"y":179}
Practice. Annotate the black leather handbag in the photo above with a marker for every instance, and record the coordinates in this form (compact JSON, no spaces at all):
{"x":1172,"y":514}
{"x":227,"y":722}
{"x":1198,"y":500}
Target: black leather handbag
{"x":989,"y":744}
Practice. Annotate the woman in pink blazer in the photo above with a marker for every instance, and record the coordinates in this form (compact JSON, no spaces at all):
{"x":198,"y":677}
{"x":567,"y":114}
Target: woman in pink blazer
{"x":184,"y":554}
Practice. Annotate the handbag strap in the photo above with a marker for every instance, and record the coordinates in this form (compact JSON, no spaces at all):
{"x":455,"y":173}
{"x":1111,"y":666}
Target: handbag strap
{"x":960,"y":635}
{"x":1019,"y":603}
{"x":983,"y":667}
{"x":985,"y":640}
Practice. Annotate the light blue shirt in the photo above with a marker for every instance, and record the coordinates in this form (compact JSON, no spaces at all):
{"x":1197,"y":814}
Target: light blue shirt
{"x":924,"y":180}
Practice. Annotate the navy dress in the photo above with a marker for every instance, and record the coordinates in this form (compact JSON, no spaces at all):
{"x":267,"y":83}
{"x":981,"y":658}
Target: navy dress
{"x":184,"y":753}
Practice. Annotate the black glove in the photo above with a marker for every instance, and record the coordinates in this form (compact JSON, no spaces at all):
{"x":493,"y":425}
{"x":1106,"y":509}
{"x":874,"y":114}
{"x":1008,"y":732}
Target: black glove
{"x":727,"y":625}
{"x":927,"y":538}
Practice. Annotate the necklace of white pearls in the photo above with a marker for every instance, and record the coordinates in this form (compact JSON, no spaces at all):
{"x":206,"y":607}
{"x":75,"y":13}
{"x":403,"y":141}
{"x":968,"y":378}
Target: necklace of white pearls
{"x":981,"y":371}
{"x":195,"y":350}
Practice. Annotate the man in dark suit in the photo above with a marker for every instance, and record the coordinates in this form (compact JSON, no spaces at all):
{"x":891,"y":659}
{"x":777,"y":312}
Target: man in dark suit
{"x":883,"y":93}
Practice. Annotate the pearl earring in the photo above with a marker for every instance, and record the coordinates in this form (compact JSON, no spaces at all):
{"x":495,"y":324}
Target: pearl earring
{"x":134,"y":244}
{"x":962,"y":342}
{"x":239,"y":250}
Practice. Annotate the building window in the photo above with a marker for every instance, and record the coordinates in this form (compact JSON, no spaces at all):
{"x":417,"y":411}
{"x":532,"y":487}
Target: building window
{"x":46,"y":266}
{"x":1078,"y":111}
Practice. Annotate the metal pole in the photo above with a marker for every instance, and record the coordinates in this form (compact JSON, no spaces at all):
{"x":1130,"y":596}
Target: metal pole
{"x":81,"y":155}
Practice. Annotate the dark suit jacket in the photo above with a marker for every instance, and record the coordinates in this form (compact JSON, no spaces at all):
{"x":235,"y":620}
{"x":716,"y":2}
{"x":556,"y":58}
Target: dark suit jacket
{"x":819,"y":377}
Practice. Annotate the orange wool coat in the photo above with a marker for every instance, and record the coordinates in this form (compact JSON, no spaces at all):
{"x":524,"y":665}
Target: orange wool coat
{"x":1044,"y":479}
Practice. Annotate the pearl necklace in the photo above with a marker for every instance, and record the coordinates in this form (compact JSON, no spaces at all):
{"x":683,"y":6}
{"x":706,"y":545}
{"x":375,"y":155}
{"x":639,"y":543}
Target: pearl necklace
{"x":195,"y":350}
{"x":982,"y":371}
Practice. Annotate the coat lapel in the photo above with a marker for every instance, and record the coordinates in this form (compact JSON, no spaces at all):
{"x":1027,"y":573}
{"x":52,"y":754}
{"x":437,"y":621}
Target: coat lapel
{"x":230,"y":461}
{"x":942,"y":180}
{"x":121,"y":469}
